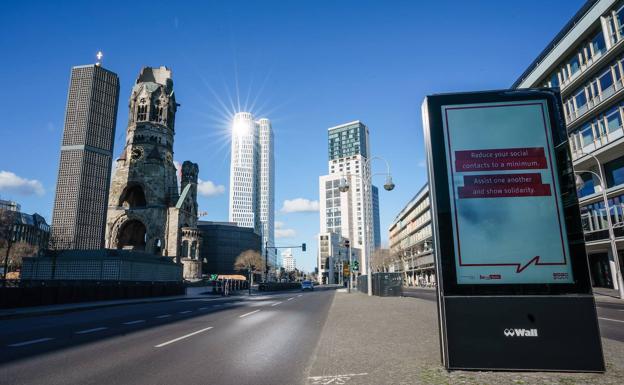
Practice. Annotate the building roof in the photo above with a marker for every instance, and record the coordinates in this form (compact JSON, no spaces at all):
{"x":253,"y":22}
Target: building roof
{"x":421,"y":193}
{"x":555,"y":41}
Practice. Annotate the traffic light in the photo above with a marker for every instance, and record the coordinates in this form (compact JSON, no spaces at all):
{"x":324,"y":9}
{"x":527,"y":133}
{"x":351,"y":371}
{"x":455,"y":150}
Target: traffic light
{"x":356,"y":266}
{"x":347,"y":243}
{"x":303,"y":247}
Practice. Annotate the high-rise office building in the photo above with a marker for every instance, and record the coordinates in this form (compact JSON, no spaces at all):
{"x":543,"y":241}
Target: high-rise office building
{"x":252,"y":178}
{"x":79,"y":216}
{"x":349,"y":214}
{"x":585,"y":60}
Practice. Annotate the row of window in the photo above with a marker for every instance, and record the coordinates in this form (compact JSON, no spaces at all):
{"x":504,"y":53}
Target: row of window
{"x":595,"y":91}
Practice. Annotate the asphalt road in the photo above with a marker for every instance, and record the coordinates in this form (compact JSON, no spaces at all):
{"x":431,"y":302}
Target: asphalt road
{"x":265,"y":339}
{"x":610,"y":315}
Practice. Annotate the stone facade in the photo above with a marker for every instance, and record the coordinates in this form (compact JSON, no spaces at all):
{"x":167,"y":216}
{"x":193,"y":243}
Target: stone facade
{"x":147,"y":211}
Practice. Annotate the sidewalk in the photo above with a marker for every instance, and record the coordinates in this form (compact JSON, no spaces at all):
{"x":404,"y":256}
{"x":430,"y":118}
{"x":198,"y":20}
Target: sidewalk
{"x":394,"y":340}
{"x":191,"y":293}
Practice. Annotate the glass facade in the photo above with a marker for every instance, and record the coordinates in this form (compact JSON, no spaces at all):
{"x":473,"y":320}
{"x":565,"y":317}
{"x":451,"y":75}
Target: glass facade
{"x":347,"y":140}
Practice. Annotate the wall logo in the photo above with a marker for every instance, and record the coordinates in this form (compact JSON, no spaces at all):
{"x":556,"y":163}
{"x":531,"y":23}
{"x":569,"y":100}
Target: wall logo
{"x":520,"y":332}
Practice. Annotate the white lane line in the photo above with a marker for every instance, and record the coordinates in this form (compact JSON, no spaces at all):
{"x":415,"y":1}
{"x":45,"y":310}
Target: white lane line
{"x":217,"y":305}
{"x":186,"y":312}
{"x":336,"y":379}
{"x":183,"y":337}
{"x":276,"y":303}
{"x":163,"y":316}
{"x":91,"y":330}
{"x":203,"y":308}
{"x":17,"y":345}
{"x":300,"y":295}
{"x":134,"y":322}
{"x":250,"y":313}
{"x":610,"y":319}
{"x":290,"y":298}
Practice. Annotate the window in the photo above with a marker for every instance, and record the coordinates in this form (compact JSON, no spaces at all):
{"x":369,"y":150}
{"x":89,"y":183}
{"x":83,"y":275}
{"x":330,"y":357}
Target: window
{"x":606,"y":80}
{"x":587,"y":135}
{"x":598,"y":44}
{"x":614,"y":121}
{"x":588,"y":185}
{"x":614,"y":172}
{"x":574,"y":64}
{"x":580,"y":99}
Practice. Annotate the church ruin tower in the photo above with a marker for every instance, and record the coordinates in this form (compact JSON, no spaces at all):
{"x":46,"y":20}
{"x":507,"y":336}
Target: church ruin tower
{"x":147,"y":212}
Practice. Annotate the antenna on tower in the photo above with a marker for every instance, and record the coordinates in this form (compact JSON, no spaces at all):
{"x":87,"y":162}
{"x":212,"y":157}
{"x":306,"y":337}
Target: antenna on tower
{"x":99,"y":57}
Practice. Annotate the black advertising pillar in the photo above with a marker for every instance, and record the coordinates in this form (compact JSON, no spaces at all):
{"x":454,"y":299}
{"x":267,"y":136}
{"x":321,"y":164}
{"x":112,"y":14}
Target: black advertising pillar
{"x":513,"y":284}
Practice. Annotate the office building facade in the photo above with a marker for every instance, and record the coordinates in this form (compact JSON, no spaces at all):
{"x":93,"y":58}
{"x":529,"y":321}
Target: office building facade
{"x":349,"y":214}
{"x":332,"y":254}
{"x":252,"y":179}
{"x":411,"y":243}
{"x":586,"y":62}
{"x":288,"y":261}
{"x":222,"y":242}
{"x":79,"y":214}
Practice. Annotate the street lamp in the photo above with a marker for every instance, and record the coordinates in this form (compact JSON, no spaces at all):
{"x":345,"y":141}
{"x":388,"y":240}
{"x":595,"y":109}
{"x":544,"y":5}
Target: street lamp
{"x":388,"y":186}
{"x":579,"y":184}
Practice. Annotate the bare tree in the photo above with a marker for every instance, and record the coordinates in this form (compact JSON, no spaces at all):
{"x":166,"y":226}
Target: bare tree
{"x":381,"y":260}
{"x":7,"y":237}
{"x":250,"y":261}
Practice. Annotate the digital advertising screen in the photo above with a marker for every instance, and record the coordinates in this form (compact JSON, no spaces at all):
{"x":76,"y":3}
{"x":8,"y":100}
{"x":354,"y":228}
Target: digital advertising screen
{"x":506,"y":212}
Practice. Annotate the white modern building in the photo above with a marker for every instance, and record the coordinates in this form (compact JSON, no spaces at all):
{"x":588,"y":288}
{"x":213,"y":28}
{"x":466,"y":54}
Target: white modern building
{"x":350,"y":214}
{"x":331,"y":257}
{"x":288,"y":260}
{"x":252,"y":179}
{"x":585,"y":60}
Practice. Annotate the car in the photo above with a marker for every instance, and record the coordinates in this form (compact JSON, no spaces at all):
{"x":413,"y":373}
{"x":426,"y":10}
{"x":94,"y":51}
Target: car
{"x":307,"y":285}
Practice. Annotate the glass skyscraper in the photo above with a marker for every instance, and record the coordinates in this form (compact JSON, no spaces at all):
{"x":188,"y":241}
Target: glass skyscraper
{"x":252,"y":178}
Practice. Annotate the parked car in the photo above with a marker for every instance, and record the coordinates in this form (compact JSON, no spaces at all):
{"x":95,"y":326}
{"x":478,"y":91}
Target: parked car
{"x":307,"y":285}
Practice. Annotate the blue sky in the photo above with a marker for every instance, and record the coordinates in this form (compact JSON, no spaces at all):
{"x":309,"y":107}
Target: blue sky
{"x":308,"y":65}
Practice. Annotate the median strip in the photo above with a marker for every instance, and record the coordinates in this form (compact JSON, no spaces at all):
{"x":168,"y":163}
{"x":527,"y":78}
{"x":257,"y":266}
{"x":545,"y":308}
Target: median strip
{"x":16,"y":345}
{"x":91,"y":330}
{"x":183,"y":337}
{"x":250,"y":313}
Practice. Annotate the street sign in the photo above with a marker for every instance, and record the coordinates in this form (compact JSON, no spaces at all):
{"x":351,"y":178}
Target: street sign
{"x":509,"y":247}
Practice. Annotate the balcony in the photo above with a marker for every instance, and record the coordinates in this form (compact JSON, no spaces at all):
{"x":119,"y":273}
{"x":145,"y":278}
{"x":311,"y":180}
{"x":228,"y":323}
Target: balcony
{"x":594,"y":103}
{"x":603,"y":143}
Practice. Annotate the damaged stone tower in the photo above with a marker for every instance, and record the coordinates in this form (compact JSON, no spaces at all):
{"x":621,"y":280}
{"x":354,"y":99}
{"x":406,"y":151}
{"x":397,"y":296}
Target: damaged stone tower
{"x":147,"y":211}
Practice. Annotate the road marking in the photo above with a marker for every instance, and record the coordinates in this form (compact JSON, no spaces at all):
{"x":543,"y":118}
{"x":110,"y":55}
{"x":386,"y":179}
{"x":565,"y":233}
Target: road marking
{"x":164,"y":316}
{"x":217,"y":305}
{"x":134,"y":322}
{"x":183,"y":337}
{"x":203,"y":308}
{"x":91,"y":330}
{"x":610,"y":319}
{"x":290,"y":298}
{"x":250,"y":313}
{"x":300,"y":295}
{"x":16,"y":345}
{"x":276,"y":303}
{"x":336,"y":379}
{"x":186,"y":312}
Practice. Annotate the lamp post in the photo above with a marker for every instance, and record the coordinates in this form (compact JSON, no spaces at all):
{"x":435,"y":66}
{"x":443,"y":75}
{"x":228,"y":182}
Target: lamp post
{"x":614,"y":251}
{"x":388,"y":186}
